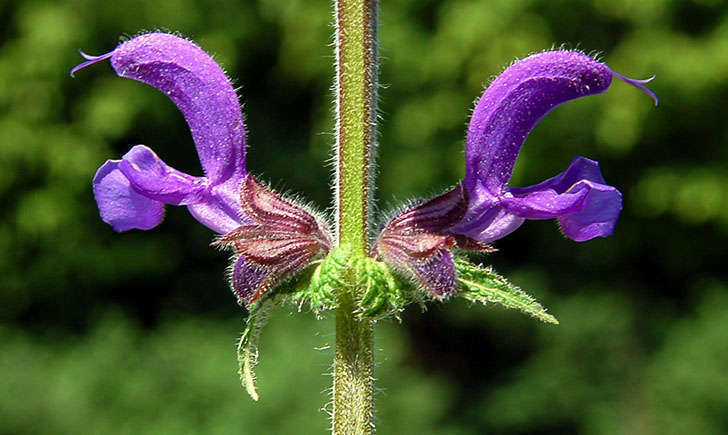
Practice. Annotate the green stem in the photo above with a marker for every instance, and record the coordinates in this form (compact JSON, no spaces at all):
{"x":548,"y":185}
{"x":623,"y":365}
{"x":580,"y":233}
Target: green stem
{"x":356,"y":86}
{"x":353,"y":372}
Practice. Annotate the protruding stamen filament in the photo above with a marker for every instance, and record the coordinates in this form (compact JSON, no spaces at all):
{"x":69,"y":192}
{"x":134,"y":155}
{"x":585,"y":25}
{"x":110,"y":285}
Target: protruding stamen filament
{"x":638,"y":84}
{"x":90,"y":60}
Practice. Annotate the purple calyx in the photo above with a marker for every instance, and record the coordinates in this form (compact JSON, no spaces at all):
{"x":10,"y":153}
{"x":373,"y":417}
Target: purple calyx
{"x":416,"y":243}
{"x":282,"y":239}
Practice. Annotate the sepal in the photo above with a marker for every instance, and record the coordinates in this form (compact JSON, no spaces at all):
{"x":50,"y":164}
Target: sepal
{"x":416,"y":242}
{"x":283,"y":239}
{"x":483,"y":285}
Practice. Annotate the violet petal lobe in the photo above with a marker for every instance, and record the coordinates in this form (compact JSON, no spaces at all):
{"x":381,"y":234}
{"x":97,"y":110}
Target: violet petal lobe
{"x":545,"y":204}
{"x":156,"y":180}
{"x":602,"y":207}
{"x":586,"y":206}
{"x":120,"y":205}
{"x":149,"y":177}
{"x":487,"y":222}
{"x":216,"y":207}
{"x":199,"y":88}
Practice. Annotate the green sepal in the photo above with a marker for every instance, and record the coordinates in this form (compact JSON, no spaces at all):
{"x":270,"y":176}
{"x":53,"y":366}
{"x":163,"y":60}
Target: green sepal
{"x":483,"y":285}
{"x":327,"y":277}
{"x":382,"y":293}
{"x":247,"y":352}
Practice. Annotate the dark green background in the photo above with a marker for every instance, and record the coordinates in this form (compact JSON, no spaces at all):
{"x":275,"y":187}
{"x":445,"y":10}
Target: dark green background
{"x":134,"y":333}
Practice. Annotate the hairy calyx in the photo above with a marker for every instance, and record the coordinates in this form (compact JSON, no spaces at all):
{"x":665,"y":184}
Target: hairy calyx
{"x":282,"y":239}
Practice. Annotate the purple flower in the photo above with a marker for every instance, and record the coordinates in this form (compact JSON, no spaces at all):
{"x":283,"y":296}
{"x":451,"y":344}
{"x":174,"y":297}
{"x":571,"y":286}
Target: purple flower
{"x":272,"y":237}
{"x":131,"y":192}
{"x":483,"y":208}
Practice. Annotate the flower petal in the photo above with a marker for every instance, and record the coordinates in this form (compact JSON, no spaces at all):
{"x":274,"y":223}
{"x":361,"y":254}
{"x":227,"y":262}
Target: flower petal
{"x":547,"y":203}
{"x":580,"y":168}
{"x":156,"y":180}
{"x":586,"y":206}
{"x":213,"y":206}
{"x":201,"y":90}
{"x":490,"y":222}
{"x":120,"y":205}
{"x":599,"y":216}
{"x":515,"y":102}
{"x":220,"y":210}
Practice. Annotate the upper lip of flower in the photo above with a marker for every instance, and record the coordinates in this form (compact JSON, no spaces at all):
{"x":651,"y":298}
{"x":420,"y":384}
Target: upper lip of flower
{"x":131,"y":192}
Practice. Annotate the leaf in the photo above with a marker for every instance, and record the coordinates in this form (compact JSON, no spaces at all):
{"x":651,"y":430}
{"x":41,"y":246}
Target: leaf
{"x":485,"y":285}
{"x":382,"y":294}
{"x":327,"y":278}
{"x":248,"y":345}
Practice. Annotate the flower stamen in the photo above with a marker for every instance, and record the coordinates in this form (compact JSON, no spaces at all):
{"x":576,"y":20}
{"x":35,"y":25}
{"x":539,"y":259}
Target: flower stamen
{"x":638,"y":84}
{"x":90,"y":60}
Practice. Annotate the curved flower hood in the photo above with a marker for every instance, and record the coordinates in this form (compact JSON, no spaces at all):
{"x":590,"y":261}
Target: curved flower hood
{"x":131,"y":192}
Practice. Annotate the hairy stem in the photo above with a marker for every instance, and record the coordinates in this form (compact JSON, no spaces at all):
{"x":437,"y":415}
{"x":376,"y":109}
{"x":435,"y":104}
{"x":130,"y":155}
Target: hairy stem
{"x":353,"y":372}
{"x":356,"y":85}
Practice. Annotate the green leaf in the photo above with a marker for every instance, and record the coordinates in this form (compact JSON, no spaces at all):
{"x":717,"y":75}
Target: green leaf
{"x":485,"y":285}
{"x":382,"y":294}
{"x":325,"y":280}
{"x":248,"y":345}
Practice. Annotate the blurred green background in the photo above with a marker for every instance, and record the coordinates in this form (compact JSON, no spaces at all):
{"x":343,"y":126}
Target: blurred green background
{"x":134,"y":333}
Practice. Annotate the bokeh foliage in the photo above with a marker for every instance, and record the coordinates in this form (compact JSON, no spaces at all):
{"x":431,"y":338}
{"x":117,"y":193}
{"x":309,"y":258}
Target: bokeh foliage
{"x":134,"y":332}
